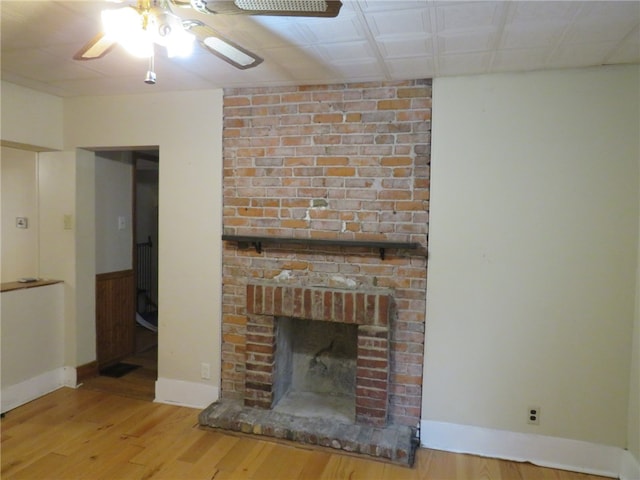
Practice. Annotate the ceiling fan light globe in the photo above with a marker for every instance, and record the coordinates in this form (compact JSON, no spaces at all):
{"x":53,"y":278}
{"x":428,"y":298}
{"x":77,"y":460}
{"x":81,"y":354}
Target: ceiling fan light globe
{"x":119,"y":22}
{"x":167,"y":31}
{"x":138,"y":46}
{"x":180,"y":45}
{"x":124,"y":25}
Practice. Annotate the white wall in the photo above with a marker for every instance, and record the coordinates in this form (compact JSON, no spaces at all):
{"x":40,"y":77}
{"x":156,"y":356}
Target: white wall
{"x":67,"y":249}
{"x":533,"y":250}
{"x":31,"y":118}
{"x":187,"y":127}
{"x":32,"y":343}
{"x":32,"y":332}
{"x":114,"y":199}
{"x":633,"y":435}
{"x":53,"y":328}
{"x":19,"y":198}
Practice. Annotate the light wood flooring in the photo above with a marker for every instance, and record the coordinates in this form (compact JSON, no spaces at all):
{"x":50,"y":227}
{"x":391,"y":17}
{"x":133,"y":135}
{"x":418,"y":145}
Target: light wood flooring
{"x":139,"y":383}
{"x":90,"y":434}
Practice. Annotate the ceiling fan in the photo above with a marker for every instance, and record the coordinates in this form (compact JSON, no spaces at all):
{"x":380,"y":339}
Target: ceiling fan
{"x":152,"y":22}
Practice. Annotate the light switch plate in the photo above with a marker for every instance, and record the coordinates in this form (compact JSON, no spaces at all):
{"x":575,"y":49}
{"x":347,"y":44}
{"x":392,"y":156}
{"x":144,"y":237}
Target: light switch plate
{"x":22,"y":222}
{"x":67,"y":221}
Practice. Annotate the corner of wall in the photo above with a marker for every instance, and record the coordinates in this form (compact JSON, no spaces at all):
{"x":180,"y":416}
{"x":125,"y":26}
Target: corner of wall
{"x":185,"y":394}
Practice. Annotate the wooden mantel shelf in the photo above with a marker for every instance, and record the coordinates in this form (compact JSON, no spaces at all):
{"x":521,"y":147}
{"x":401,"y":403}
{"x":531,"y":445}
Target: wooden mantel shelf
{"x":244,"y":241}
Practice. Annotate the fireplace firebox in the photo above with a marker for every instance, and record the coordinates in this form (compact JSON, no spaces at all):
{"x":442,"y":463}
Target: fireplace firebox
{"x":368,"y":311}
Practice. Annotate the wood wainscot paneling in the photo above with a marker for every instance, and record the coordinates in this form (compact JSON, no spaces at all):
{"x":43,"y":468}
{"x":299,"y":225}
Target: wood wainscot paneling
{"x":115,"y":316}
{"x":88,"y":370}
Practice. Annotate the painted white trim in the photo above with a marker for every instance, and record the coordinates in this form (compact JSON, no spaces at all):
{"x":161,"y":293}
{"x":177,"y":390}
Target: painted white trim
{"x":70,"y":377}
{"x":186,"y":394}
{"x":15,"y":395}
{"x":555,"y":452}
{"x":629,"y":466}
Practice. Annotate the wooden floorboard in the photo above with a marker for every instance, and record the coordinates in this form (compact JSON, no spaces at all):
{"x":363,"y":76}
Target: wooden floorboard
{"x":141,"y":382}
{"x":90,"y":434}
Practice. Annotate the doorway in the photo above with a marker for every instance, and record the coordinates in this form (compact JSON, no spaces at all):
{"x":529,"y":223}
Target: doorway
{"x":146,"y":174}
{"x":126,"y":210}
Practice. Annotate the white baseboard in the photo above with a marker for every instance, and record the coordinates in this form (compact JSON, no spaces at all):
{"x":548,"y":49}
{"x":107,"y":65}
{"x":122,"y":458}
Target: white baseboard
{"x":629,"y":466}
{"x":15,"y":395}
{"x":185,"y":394}
{"x":554,"y":452}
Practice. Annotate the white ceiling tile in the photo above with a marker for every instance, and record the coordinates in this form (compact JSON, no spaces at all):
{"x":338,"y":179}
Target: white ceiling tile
{"x":309,"y":30}
{"x":468,"y":15}
{"x":628,"y":51}
{"x":298,"y":74}
{"x":269,"y":74}
{"x":606,"y":10}
{"x":357,"y":69}
{"x":405,"y":68}
{"x":527,"y":59}
{"x":581,"y":55}
{"x":588,"y":31}
{"x":400,"y":22}
{"x":539,"y":14}
{"x":457,"y":64}
{"x":370,"y":39}
{"x":531,"y":37}
{"x":345,"y":51}
{"x":37,"y":64}
{"x":377,"y":6}
{"x":470,"y":41}
{"x":604,"y":22}
{"x":403,"y":48}
{"x":36,"y":84}
{"x":336,"y":31}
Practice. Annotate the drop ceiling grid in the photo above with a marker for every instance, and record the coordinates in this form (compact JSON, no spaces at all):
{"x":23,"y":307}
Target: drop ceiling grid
{"x":370,"y":39}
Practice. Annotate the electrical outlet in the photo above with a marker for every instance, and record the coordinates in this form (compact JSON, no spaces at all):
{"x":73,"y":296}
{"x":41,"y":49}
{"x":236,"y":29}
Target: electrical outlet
{"x":205,"y":371}
{"x":533,"y":415}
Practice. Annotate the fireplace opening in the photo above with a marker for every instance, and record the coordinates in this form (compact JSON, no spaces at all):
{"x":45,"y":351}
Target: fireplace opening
{"x":315,"y":369}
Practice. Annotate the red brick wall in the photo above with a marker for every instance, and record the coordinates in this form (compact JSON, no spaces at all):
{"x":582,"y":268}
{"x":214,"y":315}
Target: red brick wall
{"x":347,"y":161}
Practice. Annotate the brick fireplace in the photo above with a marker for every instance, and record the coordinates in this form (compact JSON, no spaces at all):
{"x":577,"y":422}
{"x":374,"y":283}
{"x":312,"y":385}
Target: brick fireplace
{"x":329,"y":162}
{"x":368,"y":310}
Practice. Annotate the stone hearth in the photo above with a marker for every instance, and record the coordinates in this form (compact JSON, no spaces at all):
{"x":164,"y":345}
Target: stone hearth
{"x":396,"y":444}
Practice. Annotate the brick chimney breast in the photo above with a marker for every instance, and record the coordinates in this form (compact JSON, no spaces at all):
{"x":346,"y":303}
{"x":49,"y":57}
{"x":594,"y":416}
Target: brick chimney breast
{"x":348,"y":162}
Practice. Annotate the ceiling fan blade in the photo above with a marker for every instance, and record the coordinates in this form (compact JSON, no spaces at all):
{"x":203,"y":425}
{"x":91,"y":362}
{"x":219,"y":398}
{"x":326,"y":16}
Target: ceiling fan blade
{"x":222,"y":47}
{"x":97,"y":47}
{"x":293,"y":8}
